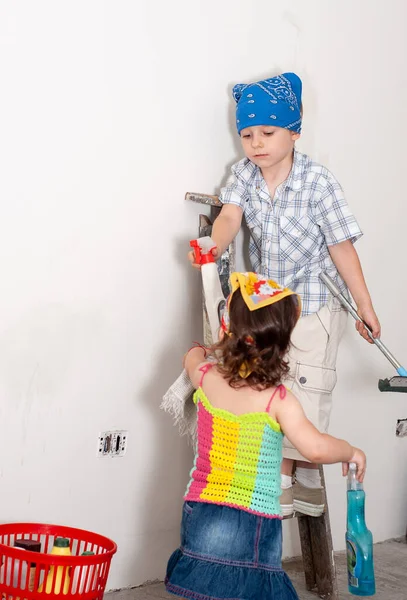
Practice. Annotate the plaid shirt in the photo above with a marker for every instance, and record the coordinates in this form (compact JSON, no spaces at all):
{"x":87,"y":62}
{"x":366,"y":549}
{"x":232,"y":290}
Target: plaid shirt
{"x":290,"y":234}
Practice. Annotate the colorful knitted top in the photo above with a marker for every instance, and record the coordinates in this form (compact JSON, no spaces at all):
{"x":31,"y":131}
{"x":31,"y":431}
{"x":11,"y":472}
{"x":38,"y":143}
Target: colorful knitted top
{"x":237,"y":460}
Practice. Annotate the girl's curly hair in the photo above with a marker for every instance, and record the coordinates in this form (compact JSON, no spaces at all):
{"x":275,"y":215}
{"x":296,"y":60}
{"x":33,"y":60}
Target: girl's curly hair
{"x":258,"y":341}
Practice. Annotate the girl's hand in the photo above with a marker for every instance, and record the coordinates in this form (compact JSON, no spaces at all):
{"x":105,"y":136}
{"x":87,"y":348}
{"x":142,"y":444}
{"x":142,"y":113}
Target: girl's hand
{"x":359,"y":458}
{"x":191,"y":257}
{"x":195,"y":348}
{"x":369,"y":316}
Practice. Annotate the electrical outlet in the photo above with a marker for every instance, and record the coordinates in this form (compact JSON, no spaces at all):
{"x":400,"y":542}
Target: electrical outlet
{"x":112,"y":443}
{"x":401,"y":427}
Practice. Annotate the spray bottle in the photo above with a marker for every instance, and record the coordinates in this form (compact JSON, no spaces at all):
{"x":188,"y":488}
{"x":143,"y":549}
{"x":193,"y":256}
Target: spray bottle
{"x":214,"y":298}
{"x":359,"y":540}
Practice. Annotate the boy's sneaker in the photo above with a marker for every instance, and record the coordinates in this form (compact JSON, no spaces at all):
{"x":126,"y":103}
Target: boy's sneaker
{"x":286,"y":502}
{"x":308,"y":501}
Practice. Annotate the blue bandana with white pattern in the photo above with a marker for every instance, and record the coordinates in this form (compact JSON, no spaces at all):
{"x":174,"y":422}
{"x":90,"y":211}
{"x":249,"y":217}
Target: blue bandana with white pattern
{"x":275,"y":101}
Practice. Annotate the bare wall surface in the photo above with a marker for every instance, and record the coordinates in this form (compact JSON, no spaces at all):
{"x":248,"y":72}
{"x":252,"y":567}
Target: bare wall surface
{"x":109,"y":113}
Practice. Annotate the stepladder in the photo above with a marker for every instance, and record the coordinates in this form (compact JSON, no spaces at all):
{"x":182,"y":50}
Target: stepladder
{"x":315,"y":532}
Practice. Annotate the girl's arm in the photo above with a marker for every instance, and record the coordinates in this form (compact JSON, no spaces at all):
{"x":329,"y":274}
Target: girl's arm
{"x":347,"y":262}
{"x":319,"y":448}
{"x":192,"y":362}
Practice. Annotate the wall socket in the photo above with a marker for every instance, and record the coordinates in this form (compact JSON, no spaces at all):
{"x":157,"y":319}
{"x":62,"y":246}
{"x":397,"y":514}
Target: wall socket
{"x":112,"y":443}
{"x":401,"y":427}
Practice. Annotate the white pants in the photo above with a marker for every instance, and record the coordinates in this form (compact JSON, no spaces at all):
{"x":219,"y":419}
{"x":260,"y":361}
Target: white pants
{"x":312,"y":357}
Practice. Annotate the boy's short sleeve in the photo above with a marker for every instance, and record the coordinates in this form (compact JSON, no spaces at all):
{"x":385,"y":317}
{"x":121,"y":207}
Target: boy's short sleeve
{"x":334,"y":217}
{"x":235,"y":192}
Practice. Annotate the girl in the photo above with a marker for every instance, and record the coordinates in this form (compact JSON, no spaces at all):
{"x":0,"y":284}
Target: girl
{"x":231,"y":542}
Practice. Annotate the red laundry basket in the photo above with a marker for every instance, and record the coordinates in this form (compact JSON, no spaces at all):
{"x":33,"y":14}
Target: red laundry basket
{"x":24,"y":574}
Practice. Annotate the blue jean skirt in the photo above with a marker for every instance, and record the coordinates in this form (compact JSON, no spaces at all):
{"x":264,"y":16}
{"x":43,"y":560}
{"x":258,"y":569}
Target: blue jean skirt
{"x":228,"y":554}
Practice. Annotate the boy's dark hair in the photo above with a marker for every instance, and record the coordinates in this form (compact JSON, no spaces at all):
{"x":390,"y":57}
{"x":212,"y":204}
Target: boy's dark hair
{"x":257,"y":340}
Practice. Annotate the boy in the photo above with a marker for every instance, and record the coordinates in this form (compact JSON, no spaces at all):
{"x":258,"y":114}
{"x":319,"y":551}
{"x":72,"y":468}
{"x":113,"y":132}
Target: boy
{"x":300,"y":225}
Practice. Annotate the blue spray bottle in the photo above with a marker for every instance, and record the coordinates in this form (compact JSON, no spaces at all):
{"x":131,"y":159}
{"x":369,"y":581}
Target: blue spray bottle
{"x":359,"y":540}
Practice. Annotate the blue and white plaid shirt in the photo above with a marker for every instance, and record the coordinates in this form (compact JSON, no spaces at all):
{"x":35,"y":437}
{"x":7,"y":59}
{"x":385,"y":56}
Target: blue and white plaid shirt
{"x":290,"y":234}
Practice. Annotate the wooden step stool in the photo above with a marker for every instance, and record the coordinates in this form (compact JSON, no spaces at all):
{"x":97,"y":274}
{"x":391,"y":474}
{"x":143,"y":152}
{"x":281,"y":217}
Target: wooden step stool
{"x":315,"y":532}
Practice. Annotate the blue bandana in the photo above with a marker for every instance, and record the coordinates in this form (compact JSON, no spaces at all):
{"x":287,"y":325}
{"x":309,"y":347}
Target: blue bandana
{"x":274,"y":101}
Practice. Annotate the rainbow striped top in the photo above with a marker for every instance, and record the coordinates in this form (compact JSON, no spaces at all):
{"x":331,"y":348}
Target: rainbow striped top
{"x":237,"y":460}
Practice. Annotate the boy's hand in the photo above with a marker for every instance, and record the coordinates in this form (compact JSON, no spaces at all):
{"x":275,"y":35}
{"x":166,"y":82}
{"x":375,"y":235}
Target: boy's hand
{"x":359,"y":458}
{"x":191,"y":257}
{"x":369,"y":316}
{"x":225,"y":228}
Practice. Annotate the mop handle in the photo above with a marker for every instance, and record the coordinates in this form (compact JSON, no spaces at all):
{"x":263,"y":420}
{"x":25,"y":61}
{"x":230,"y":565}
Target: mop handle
{"x":336,"y":292}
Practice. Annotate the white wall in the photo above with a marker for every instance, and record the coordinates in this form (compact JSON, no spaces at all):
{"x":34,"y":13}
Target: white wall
{"x":110,"y":112}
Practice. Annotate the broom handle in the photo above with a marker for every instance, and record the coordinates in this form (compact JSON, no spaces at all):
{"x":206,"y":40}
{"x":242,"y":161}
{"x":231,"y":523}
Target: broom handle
{"x":336,"y":292}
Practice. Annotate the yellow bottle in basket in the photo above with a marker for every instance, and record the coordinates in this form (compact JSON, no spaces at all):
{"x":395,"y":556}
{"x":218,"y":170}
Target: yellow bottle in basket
{"x":61,"y":548}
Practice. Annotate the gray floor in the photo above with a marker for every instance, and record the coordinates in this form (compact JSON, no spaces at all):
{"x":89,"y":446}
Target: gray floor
{"x":390,"y":567}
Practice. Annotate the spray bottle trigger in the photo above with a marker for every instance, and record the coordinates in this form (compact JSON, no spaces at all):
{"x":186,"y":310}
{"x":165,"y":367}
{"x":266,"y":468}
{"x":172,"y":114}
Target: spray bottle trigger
{"x":196,"y":250}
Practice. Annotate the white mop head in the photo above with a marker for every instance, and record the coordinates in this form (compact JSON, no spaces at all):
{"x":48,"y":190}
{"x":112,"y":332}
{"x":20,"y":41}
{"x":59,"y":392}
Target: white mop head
{"x":178,"y":402}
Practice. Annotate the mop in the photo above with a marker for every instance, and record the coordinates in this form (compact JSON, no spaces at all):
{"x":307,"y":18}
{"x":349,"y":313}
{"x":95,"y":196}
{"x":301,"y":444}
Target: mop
{"x":398,"y":383}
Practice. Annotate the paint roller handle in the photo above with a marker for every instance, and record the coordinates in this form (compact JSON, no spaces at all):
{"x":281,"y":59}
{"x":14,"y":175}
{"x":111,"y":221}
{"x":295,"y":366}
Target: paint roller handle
{"x":336,"y":292}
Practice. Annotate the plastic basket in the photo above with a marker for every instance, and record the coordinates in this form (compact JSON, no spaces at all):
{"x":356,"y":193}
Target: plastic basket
{"x":25,"y":575}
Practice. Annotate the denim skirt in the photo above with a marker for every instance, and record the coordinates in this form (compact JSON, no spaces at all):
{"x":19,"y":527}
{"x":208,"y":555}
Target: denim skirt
{"x":228,"y":553}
